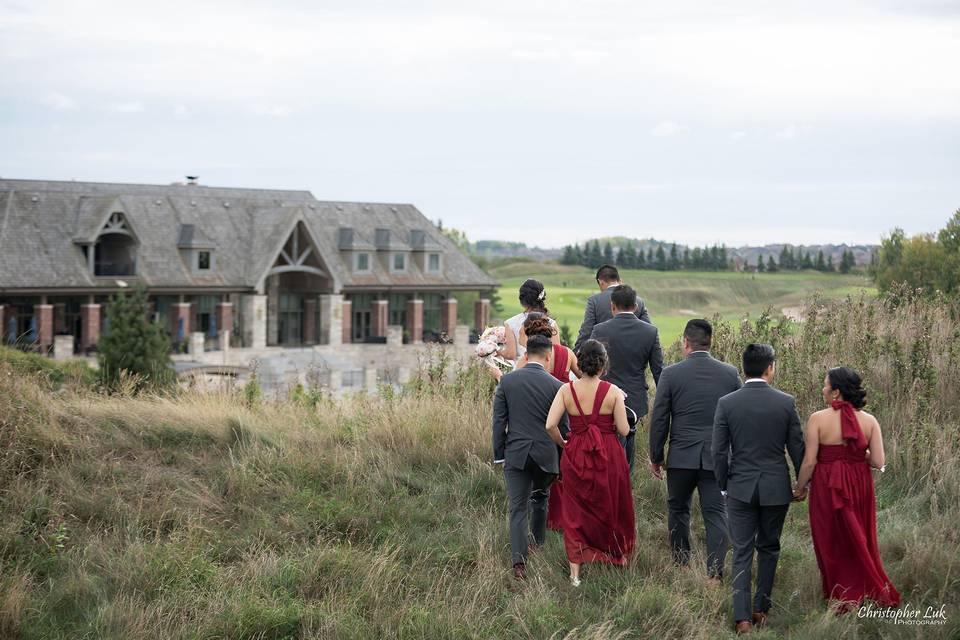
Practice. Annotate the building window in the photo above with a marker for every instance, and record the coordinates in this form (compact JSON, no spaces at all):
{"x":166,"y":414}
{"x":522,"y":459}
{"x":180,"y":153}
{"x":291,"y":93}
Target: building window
{"x":433,"y":263}
{"x":363,"y":262}
{"x":399,"y":262}
{"x":203,"y":260}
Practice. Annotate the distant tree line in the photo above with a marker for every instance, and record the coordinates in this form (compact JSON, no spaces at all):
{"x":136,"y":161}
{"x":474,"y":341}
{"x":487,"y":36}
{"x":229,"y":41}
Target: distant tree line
{"x":629,"y":257}
{"x":926,"y":262}
{"x":715,"y":258}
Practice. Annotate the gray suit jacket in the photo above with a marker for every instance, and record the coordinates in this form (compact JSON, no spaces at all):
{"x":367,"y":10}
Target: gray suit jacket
{"x":598,"y":310}
{"x":686,"y":402}
{"x":520,"y":408}
{"x":753,"y":426}
{"x":632,"y":345}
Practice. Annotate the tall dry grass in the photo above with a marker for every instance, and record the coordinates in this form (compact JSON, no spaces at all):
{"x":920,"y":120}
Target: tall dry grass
{"x":226,"y":516}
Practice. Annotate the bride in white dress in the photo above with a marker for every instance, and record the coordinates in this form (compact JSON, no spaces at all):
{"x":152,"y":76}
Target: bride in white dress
{"x":533,"y":297}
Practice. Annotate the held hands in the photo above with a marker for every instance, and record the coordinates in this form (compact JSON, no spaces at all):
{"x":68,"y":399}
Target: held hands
{"x":799,"y":494}
{"x":656,"y":470}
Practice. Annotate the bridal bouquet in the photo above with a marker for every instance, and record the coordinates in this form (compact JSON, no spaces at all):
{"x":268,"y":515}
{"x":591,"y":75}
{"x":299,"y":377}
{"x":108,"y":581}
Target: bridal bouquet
{"x":489,"y":344}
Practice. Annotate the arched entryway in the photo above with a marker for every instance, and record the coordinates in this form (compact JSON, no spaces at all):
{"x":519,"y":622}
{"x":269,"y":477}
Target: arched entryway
{"x":293,"y":286}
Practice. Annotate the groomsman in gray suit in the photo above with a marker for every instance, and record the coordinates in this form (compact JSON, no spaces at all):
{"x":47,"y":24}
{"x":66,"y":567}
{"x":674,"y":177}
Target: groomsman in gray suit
{"x":520,"y":442}
{"x":751,"y":429}
{"x":632,"y":345}
{"x":598,"y":305}
{"x":683,"y":411}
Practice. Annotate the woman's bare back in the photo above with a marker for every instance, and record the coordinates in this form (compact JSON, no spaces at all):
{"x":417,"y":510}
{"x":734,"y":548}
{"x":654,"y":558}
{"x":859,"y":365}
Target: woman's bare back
{"x":586,"y":392}
{"x":828,"y":425}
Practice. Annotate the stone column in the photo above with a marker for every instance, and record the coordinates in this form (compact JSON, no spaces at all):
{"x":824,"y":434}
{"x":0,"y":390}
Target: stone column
{"x":197,"y":340}
{"x":180,"y":316}
{"x":394,"y":335}
{"x":310,"y":320}
{"x":62,"y":347}
{"x":89,"y":326}
{"x":448,"y":315}
{"x":378,"y":321}
{"x":254,"y":321}
{"x":44,"y":314}
{"x":481,"y":314}
{"x":331,"y":318}
{"x":415,"y":320}
{"x":347,"y":322}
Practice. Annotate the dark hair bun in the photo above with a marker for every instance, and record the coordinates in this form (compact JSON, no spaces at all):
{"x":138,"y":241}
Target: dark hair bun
{"x":533,"y":296}
{"x":592,"y":358}
{"x":538,"y":324}
{"x":850,"y":385}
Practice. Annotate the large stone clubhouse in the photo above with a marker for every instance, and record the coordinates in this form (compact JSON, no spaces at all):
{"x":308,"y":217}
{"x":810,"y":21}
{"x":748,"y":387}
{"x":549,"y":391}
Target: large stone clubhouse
{"x":226,"y":267}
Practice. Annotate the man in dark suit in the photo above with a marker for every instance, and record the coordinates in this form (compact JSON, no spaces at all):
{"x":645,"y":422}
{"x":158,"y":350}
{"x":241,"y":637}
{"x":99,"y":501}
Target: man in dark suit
{"x":687,"y":395}
{"x":632,"y":346}
{"x":598,"y":305}
{"x":750,"y":431}
{"x":522,"y":445}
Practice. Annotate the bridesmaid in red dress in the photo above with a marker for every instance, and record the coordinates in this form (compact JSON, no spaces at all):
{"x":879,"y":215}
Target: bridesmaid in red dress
{"x":598,"y":520}
{"x":843,"y":442}
{"x":564,"y":362}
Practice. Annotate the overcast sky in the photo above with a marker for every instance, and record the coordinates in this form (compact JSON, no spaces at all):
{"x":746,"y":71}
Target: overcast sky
{"x":691,"y":121}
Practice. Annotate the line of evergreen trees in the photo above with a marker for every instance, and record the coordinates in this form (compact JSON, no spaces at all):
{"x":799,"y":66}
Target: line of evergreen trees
{"x":715,"y":258}
{"x":591,"y":255}
{"x":793,"y":259}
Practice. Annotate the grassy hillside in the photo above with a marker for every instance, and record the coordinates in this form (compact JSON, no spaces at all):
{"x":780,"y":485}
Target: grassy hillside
{"x":673,"y":297}
{"x":202,"y":517}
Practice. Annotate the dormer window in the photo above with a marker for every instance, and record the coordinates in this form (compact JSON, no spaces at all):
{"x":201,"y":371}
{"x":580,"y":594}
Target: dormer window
{"x":433,"y":263}
{"x":196,"y":249}
{"x":362,"y":263}
{"x":398,"y":262}
{"x":115,"y":251}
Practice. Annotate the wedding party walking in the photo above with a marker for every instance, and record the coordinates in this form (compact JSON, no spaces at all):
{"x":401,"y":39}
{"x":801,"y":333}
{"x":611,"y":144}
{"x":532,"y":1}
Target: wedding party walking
{"x":564,"y":424}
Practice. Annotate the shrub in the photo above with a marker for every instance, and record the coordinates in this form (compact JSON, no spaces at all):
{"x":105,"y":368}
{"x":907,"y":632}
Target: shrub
{"x":133,"y":344}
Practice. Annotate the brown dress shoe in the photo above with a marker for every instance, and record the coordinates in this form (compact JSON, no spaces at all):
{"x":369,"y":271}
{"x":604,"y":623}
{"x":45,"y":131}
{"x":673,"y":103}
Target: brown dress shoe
{"x":520,"y":571}
{"x":744,"y":626}
{"x":759,"y":618}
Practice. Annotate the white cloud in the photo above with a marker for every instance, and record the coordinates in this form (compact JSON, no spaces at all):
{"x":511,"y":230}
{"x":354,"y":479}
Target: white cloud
{"x":59,"y":102}
{"x":738,"y":135}
{"x":635,"y":187}
{"x":181,"y":110}
{"x":604,"y":57}
{"x":273,"y":111}
{"x":127,"y":107}
{"x":792,"y":131}
{"x":668,"y":128}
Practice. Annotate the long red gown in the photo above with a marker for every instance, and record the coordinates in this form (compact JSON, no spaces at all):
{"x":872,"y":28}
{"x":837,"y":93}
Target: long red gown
{"x":597,"y":503}
{"x":843,"y":520}
{"x":554,"y":503}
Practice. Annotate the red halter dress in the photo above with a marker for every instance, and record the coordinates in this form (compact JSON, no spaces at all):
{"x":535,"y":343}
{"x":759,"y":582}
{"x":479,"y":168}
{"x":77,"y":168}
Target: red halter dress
{"x":598,"y":513}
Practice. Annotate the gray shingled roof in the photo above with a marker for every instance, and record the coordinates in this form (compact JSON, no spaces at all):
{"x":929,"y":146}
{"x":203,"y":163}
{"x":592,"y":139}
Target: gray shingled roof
{"x":43,"y":222}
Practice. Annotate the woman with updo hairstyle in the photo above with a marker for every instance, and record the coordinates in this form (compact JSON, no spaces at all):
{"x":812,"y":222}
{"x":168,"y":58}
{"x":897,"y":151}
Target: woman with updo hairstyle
{"x":842,"y":443}
{"x":563,"y":360}
{"x":598,"y":519}
{"x":533,"y":298}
